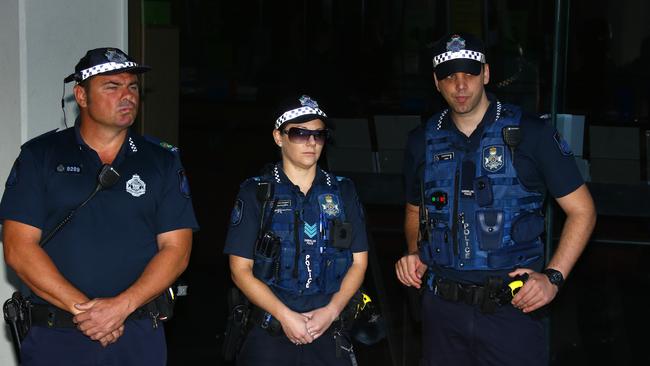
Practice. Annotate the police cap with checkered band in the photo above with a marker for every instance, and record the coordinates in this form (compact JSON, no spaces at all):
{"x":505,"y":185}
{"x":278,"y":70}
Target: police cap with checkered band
{"x":107,"y":60}
{"x":299,"y":110}
{"x":458,"y":52}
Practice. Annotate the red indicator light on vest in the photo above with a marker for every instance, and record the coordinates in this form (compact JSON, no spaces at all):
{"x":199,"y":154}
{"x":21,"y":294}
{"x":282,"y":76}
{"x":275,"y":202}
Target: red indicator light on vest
{"x":439,"y":199}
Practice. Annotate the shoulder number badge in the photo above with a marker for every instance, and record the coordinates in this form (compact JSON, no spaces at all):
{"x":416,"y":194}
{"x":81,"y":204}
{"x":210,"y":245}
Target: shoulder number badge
{"x":136,"y":186}
{"x":493,"y":158}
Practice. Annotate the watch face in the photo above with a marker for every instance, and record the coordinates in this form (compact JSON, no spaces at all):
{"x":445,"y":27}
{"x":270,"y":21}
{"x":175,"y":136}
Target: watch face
{"x":554,"y":276}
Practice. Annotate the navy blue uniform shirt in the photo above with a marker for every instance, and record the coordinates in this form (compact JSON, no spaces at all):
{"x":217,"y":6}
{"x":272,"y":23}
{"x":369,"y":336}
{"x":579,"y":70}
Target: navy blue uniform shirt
{"x":108,"y":243}
{"x":542,"y":165}
{"x":244,"y":228}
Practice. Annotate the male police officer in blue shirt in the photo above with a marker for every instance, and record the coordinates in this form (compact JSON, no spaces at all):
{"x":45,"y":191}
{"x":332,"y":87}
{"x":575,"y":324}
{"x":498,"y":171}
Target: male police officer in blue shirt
{"x":92,"y":281}
{"x":298,"y":249}
{"x":473,"y":218}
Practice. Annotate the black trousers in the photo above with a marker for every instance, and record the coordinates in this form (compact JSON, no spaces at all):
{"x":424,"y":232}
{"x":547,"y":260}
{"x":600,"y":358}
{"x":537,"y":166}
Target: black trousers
{"x":261,"y":348}
{"x":459,"y":334}
{"x":140,"y":344}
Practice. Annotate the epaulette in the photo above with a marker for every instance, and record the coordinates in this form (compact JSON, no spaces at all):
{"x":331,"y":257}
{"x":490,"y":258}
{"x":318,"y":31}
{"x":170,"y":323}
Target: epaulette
{"x":249,"y":181}
{"x":507,"y":112}
{"x":165,"y":145}
{"x":40,"y":137}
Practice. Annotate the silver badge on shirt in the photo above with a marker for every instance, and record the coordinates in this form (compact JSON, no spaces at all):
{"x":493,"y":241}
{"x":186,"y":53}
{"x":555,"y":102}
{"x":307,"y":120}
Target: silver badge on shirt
{"x":136,"y":186}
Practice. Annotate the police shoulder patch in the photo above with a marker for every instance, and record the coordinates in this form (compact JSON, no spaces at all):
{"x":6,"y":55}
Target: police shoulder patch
{"x":564,"y":146}
{"x":183,"y":184}
{"x":12,"y":180}
{"x":237,"y":212}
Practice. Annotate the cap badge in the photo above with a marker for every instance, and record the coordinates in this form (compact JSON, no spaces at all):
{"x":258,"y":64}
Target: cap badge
{"x":306,"y":101}
{"x":455,"y":44}
{"x":112,"y":55}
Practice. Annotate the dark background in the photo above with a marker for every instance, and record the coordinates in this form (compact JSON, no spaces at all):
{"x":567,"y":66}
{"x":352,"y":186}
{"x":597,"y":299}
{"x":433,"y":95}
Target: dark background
{"x":366,"y":58}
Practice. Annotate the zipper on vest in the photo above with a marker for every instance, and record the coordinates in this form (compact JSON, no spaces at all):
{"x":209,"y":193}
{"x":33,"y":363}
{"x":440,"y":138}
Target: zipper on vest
{"x":454,"y":216}
{"x":296,"y":239}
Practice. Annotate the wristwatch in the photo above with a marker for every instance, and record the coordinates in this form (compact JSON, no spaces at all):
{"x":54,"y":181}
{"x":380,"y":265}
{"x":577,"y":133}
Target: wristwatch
{"x":554,"y":276}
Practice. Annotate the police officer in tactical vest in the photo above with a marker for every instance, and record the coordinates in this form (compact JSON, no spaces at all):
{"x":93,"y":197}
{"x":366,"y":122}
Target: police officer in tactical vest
{"x":298,"y":249}
{"x":477,"y":174}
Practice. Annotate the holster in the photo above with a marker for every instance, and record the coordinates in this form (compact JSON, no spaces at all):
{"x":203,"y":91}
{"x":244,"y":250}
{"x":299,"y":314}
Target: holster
{"x":490,"y":295}
{"x":17,"y":314}
{"x":236,"y":325}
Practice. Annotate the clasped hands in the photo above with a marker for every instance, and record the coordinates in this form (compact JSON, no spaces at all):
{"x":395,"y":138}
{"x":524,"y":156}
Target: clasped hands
{"x":304,"y":328}
{"x":102,"y":319}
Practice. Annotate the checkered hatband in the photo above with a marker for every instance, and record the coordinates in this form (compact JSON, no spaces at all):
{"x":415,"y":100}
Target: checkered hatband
{"x":466,"y":54}
{"x":108,"y":66}
{"x":295,"y":113}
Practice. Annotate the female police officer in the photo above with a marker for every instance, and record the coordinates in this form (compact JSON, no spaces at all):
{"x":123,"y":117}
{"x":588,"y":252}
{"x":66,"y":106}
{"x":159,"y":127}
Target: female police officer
{"x":298,"y":249}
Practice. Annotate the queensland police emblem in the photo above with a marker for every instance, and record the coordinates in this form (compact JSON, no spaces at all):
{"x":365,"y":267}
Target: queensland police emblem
{"x":329,"y":204}
{"x":493,"y":158}
{"x":136,"y":186}
{"x":237,"y":211}
{"x":455,"y":44}
{"x":114,"y":55}
{"x":306,"y":101}
{"x":183,"y":184}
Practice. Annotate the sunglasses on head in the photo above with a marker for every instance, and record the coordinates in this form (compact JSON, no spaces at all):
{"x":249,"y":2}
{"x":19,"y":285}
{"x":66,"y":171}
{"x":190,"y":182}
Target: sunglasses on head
{"x":301,"y":135}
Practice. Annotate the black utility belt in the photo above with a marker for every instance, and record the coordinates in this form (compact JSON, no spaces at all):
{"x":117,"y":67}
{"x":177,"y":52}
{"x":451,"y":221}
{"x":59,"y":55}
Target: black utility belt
{"x":488,"y":297}
{"x":52,"y":317}
{"x":458,"y":292}
{"x":263,"y":319}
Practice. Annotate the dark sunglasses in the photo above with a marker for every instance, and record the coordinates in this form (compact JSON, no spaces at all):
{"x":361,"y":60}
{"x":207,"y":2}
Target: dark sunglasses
{"x":301,"y":135}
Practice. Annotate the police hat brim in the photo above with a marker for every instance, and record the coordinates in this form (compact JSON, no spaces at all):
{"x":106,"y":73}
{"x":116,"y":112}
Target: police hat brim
{"x":458,"y":65}
{"x":306,"y":118}
{"x":131,"y":70}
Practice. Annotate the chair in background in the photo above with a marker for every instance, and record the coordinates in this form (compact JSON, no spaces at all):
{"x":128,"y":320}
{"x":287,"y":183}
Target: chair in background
{"x":350,"y":149}
{"x":392,"y":133}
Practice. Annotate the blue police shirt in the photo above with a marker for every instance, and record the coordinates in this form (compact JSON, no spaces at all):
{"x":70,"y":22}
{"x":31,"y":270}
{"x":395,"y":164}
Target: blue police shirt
{"x":543,"y":162}
{"x":245,"y":224}
{"x":109,"y":241}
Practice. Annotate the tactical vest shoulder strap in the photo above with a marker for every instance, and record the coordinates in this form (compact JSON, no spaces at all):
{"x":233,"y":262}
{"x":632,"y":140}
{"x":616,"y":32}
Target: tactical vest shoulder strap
{"x":265,"y":192}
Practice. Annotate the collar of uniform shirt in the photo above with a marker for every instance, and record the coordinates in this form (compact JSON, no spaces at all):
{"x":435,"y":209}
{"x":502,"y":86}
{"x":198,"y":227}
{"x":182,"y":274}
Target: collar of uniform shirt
{"x":320,"y":177}
{"x":129,"y":146}
{"x":488,"y":118}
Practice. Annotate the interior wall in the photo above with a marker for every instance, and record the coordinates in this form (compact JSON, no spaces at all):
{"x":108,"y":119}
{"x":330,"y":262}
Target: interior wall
{"x":41,"y":41}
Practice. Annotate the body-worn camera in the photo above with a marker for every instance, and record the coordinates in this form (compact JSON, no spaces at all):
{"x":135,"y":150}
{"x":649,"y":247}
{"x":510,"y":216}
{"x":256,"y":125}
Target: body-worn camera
{"x":341,"y":234}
